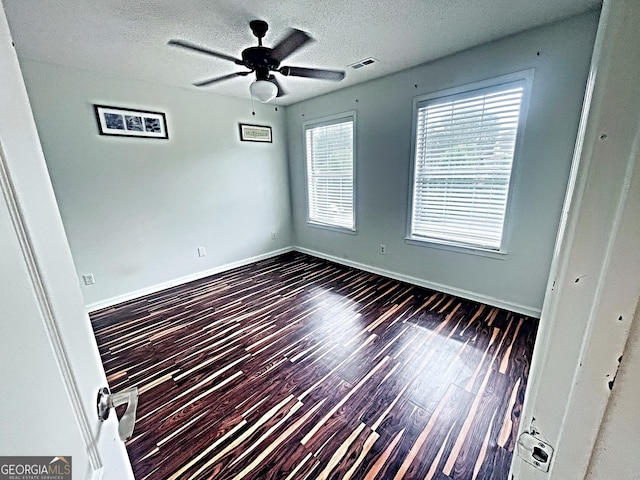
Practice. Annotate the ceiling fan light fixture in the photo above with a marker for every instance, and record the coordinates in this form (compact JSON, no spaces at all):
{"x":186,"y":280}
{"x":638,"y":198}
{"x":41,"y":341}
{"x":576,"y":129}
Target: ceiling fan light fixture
{"x":263,"y":91}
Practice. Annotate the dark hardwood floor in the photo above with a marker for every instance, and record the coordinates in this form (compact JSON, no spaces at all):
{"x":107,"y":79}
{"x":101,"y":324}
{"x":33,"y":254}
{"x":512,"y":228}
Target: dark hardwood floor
{"x":298,"y":368}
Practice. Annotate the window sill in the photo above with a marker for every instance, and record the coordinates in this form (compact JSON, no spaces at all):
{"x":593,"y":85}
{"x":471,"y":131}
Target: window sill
{"x":458,"y":248}
{"x":333,"y":228}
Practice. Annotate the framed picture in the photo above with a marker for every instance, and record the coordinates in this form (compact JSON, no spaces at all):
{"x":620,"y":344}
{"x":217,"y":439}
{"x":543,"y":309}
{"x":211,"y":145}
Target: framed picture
{"x":255,"y":133}
{"x":129,"y":122}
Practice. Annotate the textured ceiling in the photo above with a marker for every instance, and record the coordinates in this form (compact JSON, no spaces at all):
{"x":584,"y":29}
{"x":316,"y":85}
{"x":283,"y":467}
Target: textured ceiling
{"x":128,"y":38}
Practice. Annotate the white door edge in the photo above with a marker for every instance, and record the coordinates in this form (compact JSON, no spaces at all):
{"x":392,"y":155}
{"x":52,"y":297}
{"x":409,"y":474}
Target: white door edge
{"x":50,"y":321}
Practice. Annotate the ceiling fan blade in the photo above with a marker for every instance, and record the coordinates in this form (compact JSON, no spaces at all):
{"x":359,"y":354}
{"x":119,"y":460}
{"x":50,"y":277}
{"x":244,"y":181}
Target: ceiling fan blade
{"x":206,"y":51}
{"x":335,"y":75}
{"x":211,"y":81}
{"x":289,"y":44}
{"x":281,"y":91}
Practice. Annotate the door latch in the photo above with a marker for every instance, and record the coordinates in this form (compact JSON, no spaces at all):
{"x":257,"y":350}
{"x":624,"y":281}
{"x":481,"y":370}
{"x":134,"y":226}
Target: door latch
{"x":535,"y":451}
{"x":108,"y":400}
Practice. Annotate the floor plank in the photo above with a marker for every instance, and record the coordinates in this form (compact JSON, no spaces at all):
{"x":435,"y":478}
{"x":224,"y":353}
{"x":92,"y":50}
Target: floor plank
{"x":298,"y":368}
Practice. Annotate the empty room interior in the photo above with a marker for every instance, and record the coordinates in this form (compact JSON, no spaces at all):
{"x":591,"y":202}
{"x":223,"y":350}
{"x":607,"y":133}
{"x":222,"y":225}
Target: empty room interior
{"x":319,"y":245}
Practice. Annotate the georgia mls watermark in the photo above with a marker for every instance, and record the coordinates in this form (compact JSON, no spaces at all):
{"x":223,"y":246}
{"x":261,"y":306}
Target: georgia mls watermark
{"x":35,"y":468}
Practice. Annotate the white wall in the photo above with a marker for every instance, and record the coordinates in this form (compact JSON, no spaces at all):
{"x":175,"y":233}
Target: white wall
{"x":135,"y":210}
{"x":383,"y":142}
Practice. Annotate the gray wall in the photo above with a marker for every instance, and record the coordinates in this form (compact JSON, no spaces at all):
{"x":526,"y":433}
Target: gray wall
{"x":383,"y":145}
{"x":135,"y":210}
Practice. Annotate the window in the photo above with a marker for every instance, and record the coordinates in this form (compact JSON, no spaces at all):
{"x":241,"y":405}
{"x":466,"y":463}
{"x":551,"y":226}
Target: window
{"x":464,"y":150}
{"x":329,"y":156}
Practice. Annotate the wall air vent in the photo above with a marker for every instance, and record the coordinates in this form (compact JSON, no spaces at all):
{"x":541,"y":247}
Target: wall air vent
{"x":362,"y":63}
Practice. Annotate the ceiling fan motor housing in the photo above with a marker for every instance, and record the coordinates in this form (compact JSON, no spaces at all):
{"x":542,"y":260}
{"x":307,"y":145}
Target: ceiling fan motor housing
{"x":260,"y":60}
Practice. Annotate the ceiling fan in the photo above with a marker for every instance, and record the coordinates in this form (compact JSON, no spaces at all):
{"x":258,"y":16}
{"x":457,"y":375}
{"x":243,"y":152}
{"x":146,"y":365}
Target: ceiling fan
{"x":263,"y":61}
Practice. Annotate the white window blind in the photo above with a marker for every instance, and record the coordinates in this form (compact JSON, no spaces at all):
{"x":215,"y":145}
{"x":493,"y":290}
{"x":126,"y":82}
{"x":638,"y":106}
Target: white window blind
{"x":463,"y":157}
{"x":330,"y":173}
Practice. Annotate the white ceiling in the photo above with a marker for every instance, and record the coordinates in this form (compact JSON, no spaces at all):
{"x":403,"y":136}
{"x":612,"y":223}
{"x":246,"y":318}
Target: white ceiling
{"x":128,"y":38}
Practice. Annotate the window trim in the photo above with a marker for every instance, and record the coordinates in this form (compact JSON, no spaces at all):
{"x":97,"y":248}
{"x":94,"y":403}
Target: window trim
{"x":527,"y":77}
{"x":321,"y":122}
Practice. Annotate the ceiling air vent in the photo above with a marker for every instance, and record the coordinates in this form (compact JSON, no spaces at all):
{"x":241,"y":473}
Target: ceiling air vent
{"x":362,"y":63}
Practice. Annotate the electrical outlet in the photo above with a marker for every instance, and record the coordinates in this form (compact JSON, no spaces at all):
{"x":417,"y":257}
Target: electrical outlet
{"x":202,"y":252}
{"x":383,"y":249}
{"x":89,"y":279}
{"x":273,"y":235}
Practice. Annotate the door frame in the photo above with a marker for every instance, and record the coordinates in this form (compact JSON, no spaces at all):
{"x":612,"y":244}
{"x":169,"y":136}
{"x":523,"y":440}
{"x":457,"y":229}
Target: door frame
{"x":593,"y":288}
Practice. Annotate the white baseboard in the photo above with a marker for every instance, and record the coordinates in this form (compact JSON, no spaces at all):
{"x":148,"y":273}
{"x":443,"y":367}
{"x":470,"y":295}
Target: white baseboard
{"x":514,"y":307}
{"x":495,"y":302}
{"x":182,"y":280}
